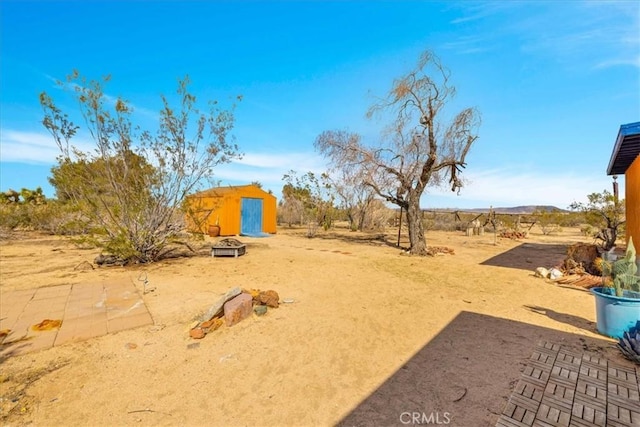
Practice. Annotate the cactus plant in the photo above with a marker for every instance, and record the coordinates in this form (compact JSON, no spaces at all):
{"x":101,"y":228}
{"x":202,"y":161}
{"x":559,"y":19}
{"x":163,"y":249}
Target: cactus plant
{"x":621,"y":274}
{"x":629,"y":344}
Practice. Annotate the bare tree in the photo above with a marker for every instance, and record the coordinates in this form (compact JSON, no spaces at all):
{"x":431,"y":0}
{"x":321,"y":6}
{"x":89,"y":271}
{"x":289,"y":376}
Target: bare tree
{"x":419,"y":148}
{"x":354,"y":197}
{"x":316,"y":196}
{"x":290,"y":207}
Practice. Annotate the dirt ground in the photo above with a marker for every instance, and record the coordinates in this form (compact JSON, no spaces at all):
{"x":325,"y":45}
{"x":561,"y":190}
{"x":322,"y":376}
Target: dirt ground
{"x":371,"y":334}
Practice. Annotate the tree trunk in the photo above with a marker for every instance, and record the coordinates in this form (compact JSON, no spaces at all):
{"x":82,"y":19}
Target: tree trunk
{"x":361,"y":217}
{"x":352,"y":225}
{"x":418,"y":245}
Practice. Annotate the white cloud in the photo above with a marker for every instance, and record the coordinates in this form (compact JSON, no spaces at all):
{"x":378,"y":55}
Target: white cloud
{"x":302,"y":162}
{"x":479,"y":11}
{"x":27,"y":147}
{"x":508,"y":187}
{"x":31,"y":147}
{"x":72,"y":87}
{"x":634,"y":62}
{"x":469,"y":44}
{"x":594,"y":33}
{"x":497,"y":187}
{"x":268,"y":169}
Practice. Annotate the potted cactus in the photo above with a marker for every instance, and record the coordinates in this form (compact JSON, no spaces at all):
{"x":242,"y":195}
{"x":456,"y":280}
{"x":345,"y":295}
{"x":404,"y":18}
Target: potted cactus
{"x":618,"y":300}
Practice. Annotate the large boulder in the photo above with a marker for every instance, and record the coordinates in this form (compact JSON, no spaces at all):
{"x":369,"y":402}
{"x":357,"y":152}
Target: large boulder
{"x":237,"y":309}
{"x":541,"y":272}
{"x":216,"y":308}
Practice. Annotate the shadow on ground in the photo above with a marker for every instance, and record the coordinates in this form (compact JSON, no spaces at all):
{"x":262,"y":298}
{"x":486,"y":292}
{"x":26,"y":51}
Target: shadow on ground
{"x":569,"y":319}
{"x":15,"y":350}
{"x":372,"y":238}
{"x":529,"y":256}
{"x":450,"y":379}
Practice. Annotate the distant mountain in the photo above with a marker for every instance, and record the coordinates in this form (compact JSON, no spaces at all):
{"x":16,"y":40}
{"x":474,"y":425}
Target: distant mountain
{"x":517,"y":209}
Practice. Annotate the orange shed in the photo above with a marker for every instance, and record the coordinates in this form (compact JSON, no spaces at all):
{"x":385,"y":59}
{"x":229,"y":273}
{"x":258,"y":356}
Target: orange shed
{"x":237,"y":210}
{"x":625,"y":159}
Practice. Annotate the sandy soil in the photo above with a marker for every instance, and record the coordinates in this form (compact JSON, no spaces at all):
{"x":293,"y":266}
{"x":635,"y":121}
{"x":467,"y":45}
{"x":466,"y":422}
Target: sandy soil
{"x":372,"y":334}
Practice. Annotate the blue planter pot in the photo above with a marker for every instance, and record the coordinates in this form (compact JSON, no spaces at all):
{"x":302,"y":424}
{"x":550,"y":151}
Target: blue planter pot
{"x":614,"y":315}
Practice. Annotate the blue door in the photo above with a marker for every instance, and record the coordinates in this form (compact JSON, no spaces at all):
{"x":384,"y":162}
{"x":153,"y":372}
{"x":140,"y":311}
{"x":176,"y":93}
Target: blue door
{"x":251,"y":217}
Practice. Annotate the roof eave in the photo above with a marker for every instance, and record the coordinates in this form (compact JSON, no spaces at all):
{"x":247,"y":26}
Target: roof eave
{"x":628,"y":130}
{"x":614,"y":154}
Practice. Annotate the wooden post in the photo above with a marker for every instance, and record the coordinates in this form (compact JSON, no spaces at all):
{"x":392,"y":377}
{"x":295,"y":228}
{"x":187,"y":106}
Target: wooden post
{"x":494,"y":223}
{"x":399,"y":227}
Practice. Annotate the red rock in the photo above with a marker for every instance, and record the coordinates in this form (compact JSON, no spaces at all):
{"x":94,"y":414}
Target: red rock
{"x":269,"y":298}
{"x":237,"y":309}
{"x":212,"y":325}
{"x":196,"y":333}
{"x":207,"y":324}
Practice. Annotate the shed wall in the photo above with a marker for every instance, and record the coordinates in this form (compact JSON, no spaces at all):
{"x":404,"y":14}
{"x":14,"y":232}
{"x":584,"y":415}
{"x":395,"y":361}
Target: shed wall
{"x":230,"y":215}
{"x":205,"y":211}
{"x":225,"y":209}
{"x":269,"y":215}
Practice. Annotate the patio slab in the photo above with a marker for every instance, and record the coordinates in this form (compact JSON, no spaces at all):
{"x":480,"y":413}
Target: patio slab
{"x":86,"y":311}
{"x":559,"y":387}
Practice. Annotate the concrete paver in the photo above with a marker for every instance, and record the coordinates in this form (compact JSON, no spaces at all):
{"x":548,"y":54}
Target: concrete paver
{"x":86,"y":311}
{"x":562,"y":388}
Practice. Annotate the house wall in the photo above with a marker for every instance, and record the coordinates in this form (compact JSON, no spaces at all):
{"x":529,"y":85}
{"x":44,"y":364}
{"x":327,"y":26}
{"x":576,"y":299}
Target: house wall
{"x":632,"y":201}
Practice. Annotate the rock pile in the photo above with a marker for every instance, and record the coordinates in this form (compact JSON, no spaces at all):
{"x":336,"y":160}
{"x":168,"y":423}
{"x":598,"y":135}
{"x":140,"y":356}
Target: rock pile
{"x":229,"y":243}
{"x":233,"y":307}
{"x":514,"y":235}
{"x":439,"y":250}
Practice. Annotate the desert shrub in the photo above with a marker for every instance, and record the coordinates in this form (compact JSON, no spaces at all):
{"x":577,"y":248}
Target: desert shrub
{"x":548,"y":220}
{"x":507,"y":222}
{"x":59,"y":218}
{"x":428,"y":224}
{"x":18,"y":209}
{"x":12,"y":216}
{"x":550,"y":229}
{"x":604,"y":212}
{"x":377,"y":216}
{"x":441,"y":221}
{"x":290,"y":210}
{"x":310,"y":196}
{"x":571,"y":219}
{"x":587,"y":230}
{"x":53,"y":217}
{"x":131,"y":185}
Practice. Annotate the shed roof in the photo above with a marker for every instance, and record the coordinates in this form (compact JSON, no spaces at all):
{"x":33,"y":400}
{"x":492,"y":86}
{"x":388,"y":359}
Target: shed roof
{"x":626,"y":150}
{"x":221,"y":191}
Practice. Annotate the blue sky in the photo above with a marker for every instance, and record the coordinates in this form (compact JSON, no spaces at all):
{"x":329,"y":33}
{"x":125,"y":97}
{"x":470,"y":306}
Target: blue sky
{"x":553,"y":80}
